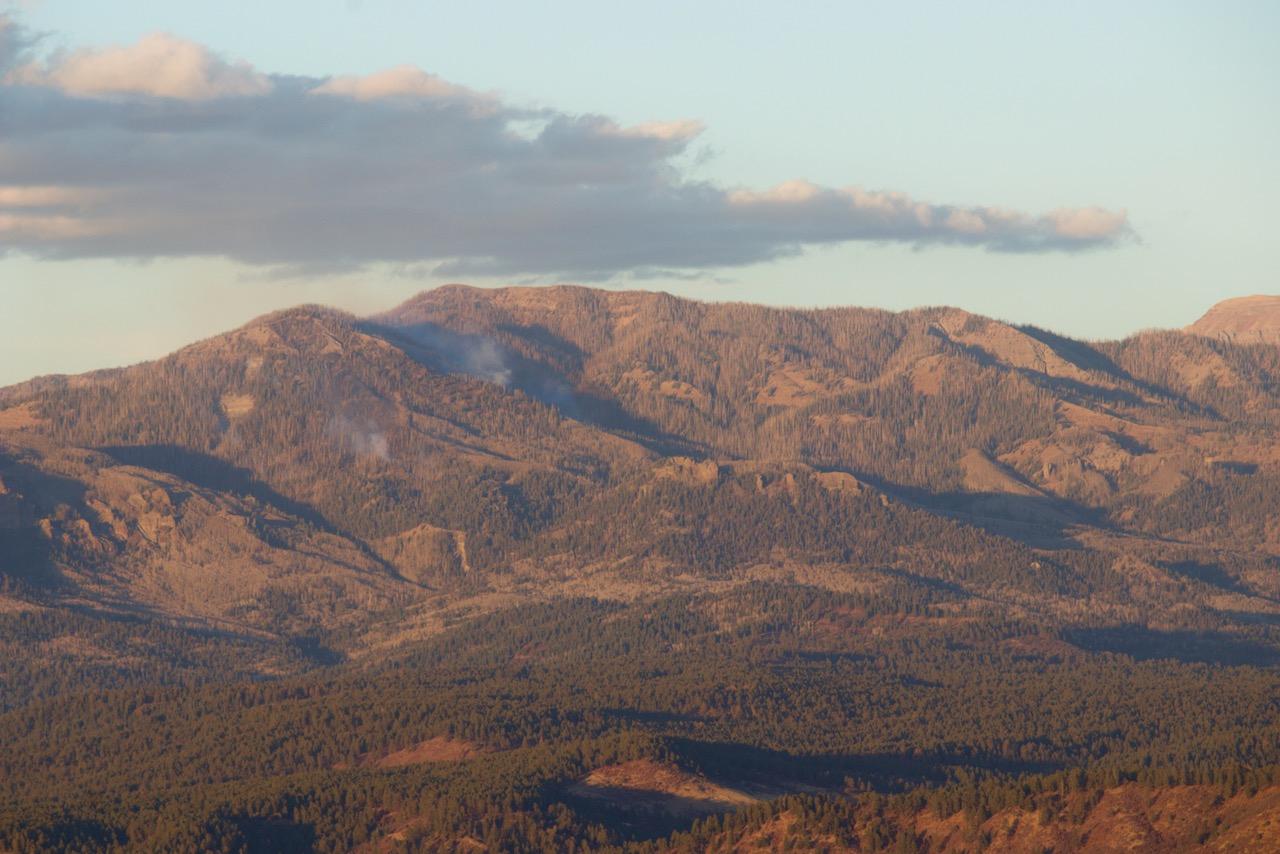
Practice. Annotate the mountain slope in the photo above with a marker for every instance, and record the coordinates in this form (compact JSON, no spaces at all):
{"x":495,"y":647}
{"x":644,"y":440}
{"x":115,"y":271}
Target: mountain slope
{"x":1244,"y":320}
{"x":488,"y":446}
{"x":566,"y":569}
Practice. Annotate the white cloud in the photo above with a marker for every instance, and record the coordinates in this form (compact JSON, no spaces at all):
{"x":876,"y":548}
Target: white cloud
{"x":786,"y":193}
{"x":681,"y":130}
{"x":1086,"y":223}
{"x":45,"y":196}
{"x":403,"y":81}
{"x":966,"y":222}
{"x":159,"y":65}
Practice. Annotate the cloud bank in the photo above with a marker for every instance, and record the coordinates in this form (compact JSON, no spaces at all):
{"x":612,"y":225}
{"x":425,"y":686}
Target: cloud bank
{"x":164,"y":148}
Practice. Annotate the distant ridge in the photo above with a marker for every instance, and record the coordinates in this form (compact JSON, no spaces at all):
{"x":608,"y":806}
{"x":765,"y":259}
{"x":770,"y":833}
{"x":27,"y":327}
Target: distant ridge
{"x":1243,"y":320}
{"x":310,"y":472}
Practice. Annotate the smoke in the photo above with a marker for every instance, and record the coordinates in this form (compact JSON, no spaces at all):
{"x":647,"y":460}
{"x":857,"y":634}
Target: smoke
{"x":485,"y":358}
{"x":361,"y":437}
{"x":476,"y":356}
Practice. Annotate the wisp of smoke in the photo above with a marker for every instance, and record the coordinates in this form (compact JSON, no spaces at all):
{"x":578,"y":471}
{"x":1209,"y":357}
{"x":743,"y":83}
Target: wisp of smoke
{"x":485,"y":358}
{"x":478,"y":356}
{"x":361,"y":438}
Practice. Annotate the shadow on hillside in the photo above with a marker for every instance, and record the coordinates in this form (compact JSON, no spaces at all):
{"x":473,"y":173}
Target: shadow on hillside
{"x":1252,"y":618}
{"x":26,"y":558}
{"x":645,"y":814}
{"x":144,"y":619}
{"x":570,"y":355}
{"x":1065,"y":386}
{"x":130,"y":616}
{"x":275,"y":835}
{"x":1207,"y":573}
{"x":1084,"y":356}
{"x":938,"y":585}
{"x":486,"y":358}
{"x":1041,"y":521}
{"x":652,"y":717}
{"x":750,"y":767}
{"x":1189,"y":647}
{"x":213,"y":473}
{"x":71,"y":833}
{"x":638,"y":814}
{"x":26,"y":555}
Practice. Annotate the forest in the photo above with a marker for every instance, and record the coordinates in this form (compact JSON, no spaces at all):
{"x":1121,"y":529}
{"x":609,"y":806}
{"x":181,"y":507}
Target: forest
{"x":785,"y":690}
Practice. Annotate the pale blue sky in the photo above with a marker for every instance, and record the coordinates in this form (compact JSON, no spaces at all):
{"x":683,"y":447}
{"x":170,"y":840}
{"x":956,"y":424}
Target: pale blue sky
{"x":1167,"y":111}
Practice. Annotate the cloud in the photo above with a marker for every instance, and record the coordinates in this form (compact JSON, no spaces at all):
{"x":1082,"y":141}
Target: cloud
{"x":682,"y":131}
{"x":14,"y":41}
{"x":46,"y":228}
{"x":163,"y":148}
{"x":813,"y":211}
{"x":40,"y":197}
{"x":1086,"y":223}
{"x":158,"y":65}
{"x":403,"y":81}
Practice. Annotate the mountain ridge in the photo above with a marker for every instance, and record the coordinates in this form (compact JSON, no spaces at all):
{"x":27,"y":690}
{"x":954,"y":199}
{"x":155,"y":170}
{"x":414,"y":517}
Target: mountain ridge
{"x":538,"y":404}
{"x":1245,"y":320}
{"x":536,"y":568}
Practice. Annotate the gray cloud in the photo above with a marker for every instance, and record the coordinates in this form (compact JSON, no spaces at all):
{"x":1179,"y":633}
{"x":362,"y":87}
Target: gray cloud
{"x":14,"y":42}
{"x":164,"y":148}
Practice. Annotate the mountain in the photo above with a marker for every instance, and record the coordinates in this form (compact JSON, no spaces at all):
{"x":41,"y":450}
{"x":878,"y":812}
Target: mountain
{"x":522,"y":548}
{"x":532,"y":440}
{"x":1244,"y":320}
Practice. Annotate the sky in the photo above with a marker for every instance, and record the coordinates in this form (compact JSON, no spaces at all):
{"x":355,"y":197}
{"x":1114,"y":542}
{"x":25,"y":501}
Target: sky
{"x":169,"y":170}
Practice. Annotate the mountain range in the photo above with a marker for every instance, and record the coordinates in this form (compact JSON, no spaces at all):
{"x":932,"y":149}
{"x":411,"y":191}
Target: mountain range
{"x":478,"y":482}
{"x":522,"y":442}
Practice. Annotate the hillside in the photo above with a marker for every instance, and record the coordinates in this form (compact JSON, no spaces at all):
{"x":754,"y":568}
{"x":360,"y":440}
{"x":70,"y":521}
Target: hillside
{"x":518,"y":442}
{"x":524,"y":547}
{"x":1244,"y":320}
{"x":1128,"y":817}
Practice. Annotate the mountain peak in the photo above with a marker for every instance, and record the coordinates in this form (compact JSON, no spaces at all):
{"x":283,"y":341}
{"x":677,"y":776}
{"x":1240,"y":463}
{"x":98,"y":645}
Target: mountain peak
{"x":1243,"y":320}
{"x":301,"y":328}
{"x":519,"y":297}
